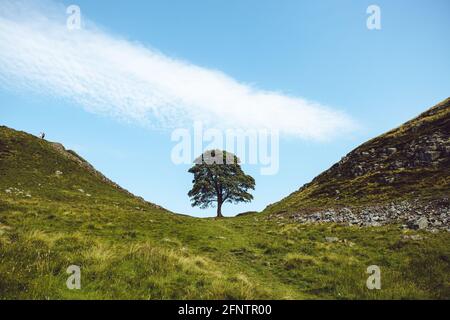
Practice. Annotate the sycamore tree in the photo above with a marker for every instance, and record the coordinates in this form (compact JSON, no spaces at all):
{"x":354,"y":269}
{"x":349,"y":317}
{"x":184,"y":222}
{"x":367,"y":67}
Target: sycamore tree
{"x":218,"y":178}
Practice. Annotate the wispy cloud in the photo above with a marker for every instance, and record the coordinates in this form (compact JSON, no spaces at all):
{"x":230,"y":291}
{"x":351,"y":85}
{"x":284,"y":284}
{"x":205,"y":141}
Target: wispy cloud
{"x":107,"y":74}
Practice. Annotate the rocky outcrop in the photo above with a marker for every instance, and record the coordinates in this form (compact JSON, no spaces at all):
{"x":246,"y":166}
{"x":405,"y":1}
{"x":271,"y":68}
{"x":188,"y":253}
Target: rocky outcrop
{"x":420,"y":144}
{"x":398,"y":176}
{"x":421,"y":152}
{"x":434,"y":215}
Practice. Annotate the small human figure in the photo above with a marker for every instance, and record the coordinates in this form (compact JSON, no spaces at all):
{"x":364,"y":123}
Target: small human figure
{"x":42,"y":135}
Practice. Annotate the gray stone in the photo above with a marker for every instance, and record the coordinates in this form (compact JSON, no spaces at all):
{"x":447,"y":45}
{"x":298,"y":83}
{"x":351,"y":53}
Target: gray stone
{"x":391,"y":150}
{"x":422,"y":223}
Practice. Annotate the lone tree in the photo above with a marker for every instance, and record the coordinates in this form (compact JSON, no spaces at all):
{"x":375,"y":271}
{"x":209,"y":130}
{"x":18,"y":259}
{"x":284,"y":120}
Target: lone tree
{"x":218,"y":177}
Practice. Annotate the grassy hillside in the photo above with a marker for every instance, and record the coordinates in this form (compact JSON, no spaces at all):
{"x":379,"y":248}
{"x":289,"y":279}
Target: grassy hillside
{"x":407,"y":163}
{"x":56,"y":210}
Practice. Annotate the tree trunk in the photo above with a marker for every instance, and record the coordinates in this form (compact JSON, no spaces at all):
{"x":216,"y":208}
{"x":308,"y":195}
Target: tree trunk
{"x":219,"y":209}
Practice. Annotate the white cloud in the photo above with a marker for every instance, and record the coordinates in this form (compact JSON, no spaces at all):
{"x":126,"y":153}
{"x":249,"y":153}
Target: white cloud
{"x":109,"y":75}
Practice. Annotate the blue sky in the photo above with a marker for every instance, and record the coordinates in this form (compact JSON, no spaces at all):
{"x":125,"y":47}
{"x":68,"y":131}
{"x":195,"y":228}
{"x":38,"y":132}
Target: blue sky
{"x":317,"y":51}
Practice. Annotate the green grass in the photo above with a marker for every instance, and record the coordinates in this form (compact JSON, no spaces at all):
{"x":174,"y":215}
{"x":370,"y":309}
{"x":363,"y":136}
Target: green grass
{"x":129,"y":249}
{"x":153,"y":255}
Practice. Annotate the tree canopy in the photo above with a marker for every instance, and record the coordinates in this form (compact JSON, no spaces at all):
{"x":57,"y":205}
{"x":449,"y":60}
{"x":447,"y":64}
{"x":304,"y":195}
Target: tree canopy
{"x":218,"y":178}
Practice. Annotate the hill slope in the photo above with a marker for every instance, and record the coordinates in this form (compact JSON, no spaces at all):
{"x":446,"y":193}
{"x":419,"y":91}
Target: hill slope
{"x":57,"y":211}
{"x":409,"y":163}
{"x":35,"y":168}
